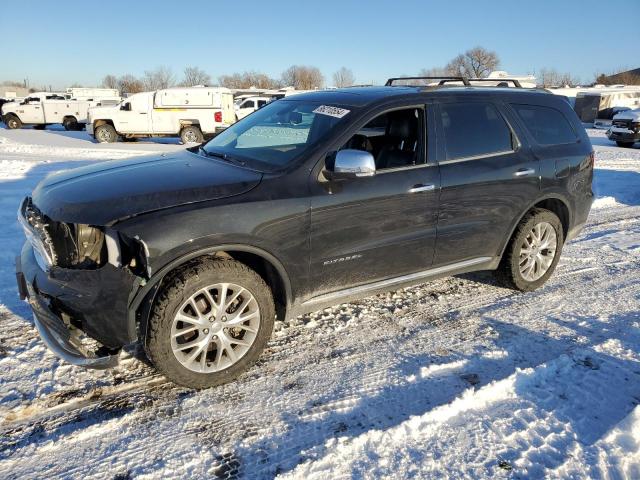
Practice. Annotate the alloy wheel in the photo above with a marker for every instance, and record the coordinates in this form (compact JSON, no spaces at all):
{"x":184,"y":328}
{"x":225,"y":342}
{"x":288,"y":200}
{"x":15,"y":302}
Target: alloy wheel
{"x":537,"y":252}
{"x":215,"y":327}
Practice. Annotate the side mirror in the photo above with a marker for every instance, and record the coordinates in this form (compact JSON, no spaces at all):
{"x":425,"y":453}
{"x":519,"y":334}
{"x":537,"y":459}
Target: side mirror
{"x":352,"y":164}
{"x":126,"y":107}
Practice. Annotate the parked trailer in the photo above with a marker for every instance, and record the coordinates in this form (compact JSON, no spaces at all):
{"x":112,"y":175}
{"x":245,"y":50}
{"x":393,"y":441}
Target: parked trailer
{"x":599,"y":105}
{"x":190,"y":113}
{"x":45,"y":108}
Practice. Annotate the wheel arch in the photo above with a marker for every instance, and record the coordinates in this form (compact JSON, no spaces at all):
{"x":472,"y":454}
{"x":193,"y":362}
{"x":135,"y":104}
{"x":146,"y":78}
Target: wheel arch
{"x":553,"y":203}
{"x":97,"y":123}
{"x":262,"y":262}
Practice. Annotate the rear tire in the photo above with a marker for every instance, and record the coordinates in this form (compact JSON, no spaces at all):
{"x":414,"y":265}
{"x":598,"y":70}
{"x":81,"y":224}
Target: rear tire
{"x":70,"y":124}
{"x":105,"y":134}
{"x":12,"y":122}
{"x":187,"y":303}
{"x":624,"y":144}
{"x":533,"y":251}
{"x":191,"y":134}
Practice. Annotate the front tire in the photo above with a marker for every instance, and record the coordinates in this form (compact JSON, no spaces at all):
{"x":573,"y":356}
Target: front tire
{"x":533,"y":252}
{"x":105,"y":134}
{"x":209,"y":323}
{"x":191,"y":134}
{"x":12,"y":122}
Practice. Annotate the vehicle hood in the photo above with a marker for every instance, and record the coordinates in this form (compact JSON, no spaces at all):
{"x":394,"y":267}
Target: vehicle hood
{"x":107,"y":192}
{"x":633,"y":115}
{"x":102,"y":110}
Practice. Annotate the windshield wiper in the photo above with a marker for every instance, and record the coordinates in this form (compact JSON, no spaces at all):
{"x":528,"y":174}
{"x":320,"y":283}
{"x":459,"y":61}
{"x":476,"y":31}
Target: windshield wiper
{"x":223,"y":156}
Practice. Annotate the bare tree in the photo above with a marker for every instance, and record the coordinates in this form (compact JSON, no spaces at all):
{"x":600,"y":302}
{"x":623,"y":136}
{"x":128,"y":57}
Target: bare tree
{"x":161,"y":77}
{"x":248,"y":80}
{"x":110,"y":81}
{"x":432,"y":72}
{"x":549,"y":77}
{"x":475,"y":63}
{"x":129,"y":84}
{"x":303,"y":77}
{"x":195,"y":76}
{"x":343,"y":78}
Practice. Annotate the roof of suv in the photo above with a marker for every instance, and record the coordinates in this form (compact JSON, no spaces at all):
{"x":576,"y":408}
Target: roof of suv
{"x":362,"y":96}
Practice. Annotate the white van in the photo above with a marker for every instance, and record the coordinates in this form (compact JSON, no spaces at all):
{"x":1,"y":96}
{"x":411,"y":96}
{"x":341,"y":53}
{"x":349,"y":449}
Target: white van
{"x":47,"y":108}
{"x":190,"y":113}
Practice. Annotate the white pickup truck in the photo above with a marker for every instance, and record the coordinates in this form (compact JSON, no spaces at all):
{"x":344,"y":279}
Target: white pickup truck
{"x":190,"y":113}
{"x":625,"y":128}
{"x":46,"y":108}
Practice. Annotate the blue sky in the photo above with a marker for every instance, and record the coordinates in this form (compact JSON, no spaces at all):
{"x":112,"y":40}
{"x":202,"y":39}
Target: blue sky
{"x":57,"y":43}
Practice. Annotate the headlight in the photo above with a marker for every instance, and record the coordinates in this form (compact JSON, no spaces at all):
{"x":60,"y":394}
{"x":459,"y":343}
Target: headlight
{"x":43,"y":254}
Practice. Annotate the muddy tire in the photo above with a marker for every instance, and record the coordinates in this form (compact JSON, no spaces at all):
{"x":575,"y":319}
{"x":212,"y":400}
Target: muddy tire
{"x":12,"y":122}
{"x":209,"y":323}
{"x":70,"y":124}
{"x":191,"y":134}
{"x":105,"y":134}
{"x":533,"y":251}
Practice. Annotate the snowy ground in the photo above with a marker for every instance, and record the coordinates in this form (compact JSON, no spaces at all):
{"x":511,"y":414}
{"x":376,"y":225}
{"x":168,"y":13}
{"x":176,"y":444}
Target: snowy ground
{"x":457,"y":377}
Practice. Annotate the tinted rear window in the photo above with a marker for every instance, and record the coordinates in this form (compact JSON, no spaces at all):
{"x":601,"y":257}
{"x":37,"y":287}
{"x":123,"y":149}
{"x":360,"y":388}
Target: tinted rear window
{"x":474,"y":129}
{"x":547,"y":125}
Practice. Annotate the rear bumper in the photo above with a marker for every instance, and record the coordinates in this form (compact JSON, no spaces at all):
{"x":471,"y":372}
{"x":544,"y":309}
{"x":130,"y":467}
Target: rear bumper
{"x":60,"y":337}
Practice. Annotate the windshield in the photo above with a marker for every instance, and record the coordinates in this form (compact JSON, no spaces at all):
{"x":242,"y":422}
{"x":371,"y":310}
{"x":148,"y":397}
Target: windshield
{"x":278,"y":133}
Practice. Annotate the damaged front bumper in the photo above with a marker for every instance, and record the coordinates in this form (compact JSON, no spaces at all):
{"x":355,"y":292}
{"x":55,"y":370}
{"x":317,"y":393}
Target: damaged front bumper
{"x":68,"y":304}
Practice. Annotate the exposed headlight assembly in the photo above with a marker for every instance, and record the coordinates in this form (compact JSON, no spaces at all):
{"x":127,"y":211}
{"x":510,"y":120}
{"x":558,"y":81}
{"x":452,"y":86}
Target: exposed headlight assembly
{"x":39,"y":238}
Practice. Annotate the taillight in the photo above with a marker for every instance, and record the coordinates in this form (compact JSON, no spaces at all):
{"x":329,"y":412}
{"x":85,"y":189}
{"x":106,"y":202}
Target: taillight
{"x":218,"y":117}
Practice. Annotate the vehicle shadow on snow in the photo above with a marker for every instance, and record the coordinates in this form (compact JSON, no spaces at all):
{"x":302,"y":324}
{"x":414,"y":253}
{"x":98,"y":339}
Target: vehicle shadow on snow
{"x":83,"y":135}
{"x":622,"y":185}
{"x":417,"y":389}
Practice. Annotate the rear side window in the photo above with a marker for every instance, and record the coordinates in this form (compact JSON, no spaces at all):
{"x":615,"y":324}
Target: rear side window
{"x":547,"y":125}
{"x":474,"y":129}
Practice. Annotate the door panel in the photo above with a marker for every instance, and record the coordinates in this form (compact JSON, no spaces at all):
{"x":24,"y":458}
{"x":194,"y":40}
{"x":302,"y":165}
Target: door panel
{"x":372,"y":228}
{"x":31,"y":113}
{"x":482,"y":197}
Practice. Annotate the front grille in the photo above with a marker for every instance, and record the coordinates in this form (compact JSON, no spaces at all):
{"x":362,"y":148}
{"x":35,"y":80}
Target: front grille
{"x":622,"y":124}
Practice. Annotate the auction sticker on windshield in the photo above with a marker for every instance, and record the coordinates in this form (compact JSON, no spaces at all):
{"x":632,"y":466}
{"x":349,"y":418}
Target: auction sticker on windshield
{"x":331,"y":111}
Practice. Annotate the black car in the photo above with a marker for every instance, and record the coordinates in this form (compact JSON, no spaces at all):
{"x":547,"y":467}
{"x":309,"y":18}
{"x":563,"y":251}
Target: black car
{"x":313,"y":200}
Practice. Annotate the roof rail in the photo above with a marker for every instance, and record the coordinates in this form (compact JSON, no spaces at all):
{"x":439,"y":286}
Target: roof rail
{"x":442,"y":81}
{"x":516,"y":82}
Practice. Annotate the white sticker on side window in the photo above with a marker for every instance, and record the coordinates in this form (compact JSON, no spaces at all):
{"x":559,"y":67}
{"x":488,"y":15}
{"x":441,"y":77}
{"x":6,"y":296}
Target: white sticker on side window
{"x":331,"y":111}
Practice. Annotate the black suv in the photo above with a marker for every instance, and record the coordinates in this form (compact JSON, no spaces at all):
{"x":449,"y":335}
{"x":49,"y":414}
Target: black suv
{"x":311,"y":201}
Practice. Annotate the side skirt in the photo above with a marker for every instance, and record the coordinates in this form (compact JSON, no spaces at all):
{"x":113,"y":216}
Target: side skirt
{"x":355,"y":293}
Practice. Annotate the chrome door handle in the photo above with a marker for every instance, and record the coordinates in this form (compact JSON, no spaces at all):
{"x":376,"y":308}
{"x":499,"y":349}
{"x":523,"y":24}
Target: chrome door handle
{"x":524,"y":172}
{"x":422,"y":188}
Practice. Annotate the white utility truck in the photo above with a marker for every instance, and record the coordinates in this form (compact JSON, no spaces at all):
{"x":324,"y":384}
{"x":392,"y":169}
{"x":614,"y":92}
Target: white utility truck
{"x":46,"y":108}
{"x":190,"y":113}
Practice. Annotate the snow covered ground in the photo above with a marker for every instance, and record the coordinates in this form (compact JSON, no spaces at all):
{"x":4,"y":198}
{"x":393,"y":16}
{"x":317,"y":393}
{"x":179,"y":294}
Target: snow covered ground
{"x":457,"y":377}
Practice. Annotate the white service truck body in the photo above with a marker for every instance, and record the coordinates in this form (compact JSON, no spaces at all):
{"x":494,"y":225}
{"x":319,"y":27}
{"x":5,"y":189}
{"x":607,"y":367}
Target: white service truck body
{"x":189,"y":112}
{"x":46,"y":108}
